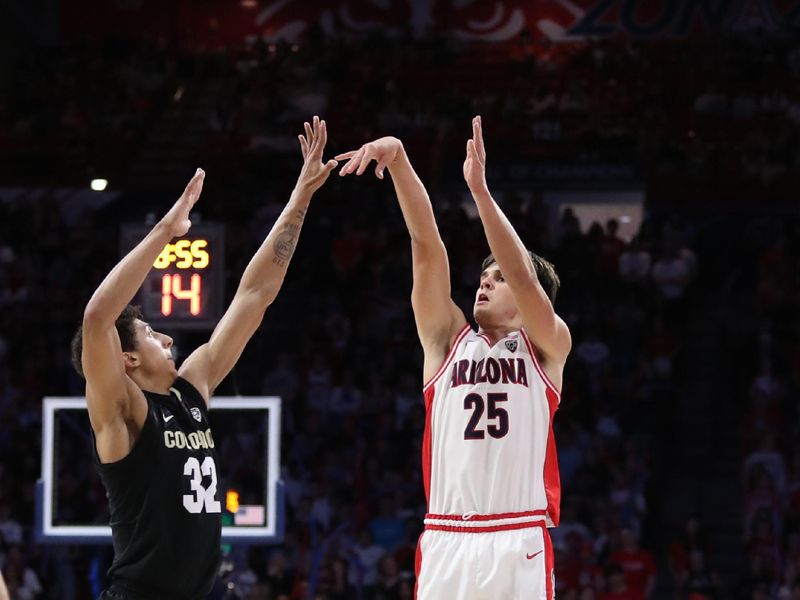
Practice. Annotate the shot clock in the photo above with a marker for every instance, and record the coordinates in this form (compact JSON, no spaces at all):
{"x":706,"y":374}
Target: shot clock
{"x":184,"y":289}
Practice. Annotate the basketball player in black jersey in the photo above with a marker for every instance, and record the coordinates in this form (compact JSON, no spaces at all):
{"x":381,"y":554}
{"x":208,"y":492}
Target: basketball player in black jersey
{"x":154,"y":449}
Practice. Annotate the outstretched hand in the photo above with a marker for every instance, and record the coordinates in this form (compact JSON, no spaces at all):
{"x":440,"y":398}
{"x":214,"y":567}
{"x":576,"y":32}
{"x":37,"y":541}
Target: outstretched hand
{"x":475,"y":163}
{"x":383,"y":151}
{"x":177,"y":219}
{"x":314,"y":173}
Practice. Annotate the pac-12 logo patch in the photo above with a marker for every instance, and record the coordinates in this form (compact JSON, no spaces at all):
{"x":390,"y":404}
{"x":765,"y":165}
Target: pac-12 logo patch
{"x":196,"y":414}
{"x":511,"y":345}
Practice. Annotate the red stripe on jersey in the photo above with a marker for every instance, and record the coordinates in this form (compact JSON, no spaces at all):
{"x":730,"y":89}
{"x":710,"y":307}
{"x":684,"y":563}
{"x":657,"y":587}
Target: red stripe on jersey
{"x":549,"y":564}
{"x":542,"y":374}
{"x":497,"y":517}
{"x":490,"y":529}
{"x":427,"y":451}
{"x":429,"y":392}
{"x":552,"y":478}
{"x":450,"y":355}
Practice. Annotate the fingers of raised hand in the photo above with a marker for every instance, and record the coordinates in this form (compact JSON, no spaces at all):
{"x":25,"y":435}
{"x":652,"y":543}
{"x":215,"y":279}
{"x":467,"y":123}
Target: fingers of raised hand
{"x":322,"y":137}
{"x":303,"y":145}
{"x":471,"y":151}
{"x":316,"y":135}
{"x":369,"y":154}
{"x":346,"y":155}
{"x":379,"y":168}
{"x":324,"y":133}
{"x":195,"y":186}
{"x":315,"y":129}
{"x":197,"y":178}
{"x":354,"y":162}
{"x":477,"y":135}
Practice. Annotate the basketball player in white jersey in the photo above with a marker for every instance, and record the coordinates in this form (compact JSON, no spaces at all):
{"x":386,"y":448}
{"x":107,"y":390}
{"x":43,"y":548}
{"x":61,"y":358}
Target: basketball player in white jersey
{"x":489,"y":457}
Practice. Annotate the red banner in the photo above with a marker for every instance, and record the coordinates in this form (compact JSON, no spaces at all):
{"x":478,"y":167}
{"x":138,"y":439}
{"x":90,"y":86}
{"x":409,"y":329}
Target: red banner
{"x":209,"y":23}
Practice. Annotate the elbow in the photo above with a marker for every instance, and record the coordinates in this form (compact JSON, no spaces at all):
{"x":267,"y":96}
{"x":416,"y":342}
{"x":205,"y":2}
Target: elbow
{"x":256,"y":292}
{"x":266,"y":296}
{"x":423,"y":247}
{"x":258,"y":299}
{"x":94,"y":316}
{"x":97,"y":316}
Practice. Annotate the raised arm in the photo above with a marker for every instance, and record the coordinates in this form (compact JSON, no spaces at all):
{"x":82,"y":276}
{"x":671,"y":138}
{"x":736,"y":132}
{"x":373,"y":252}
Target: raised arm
{"x":438,"y":318}
{"x":114,"y":401}
{"x":547,"y":331}
{"x":207,"y":366}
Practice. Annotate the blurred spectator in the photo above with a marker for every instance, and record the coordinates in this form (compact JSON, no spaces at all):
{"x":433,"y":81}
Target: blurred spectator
{"x":610,"y":250}
{"x":618,"y":588}
{"x":634,"y":263}
{"x":691,"y":540}
{"x":672,"y":272}
{"x":364,"y":568}
{"x":700,"y":583}
{"x":387,"y":528}
{"x":22,"y":581}
{"x":282,"y":380}
{"x":767,"y":457}
{"x":637,"y":564}
{"x":10,"y":530}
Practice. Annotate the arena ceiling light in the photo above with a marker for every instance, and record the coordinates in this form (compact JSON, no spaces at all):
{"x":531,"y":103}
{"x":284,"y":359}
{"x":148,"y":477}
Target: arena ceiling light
{"x":98,"y":185}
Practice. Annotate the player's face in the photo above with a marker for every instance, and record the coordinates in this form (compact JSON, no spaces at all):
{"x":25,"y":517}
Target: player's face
{"x":154,"y":350}
{"x":494,"y":303}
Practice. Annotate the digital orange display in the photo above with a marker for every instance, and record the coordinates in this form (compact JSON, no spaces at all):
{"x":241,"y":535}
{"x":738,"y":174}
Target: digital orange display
{"x":184,"y":254}
{"x":172,"y":287}
{"x":184,"y":288}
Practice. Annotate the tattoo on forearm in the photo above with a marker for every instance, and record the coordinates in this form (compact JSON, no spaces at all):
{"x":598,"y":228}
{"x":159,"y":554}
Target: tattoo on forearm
{"x":300,"y":213}
{"x":285,"y":243}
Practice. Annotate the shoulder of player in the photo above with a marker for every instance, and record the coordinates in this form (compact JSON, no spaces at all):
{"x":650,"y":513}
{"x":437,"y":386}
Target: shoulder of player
{"x":118,"y":429}
{"x":439,"y":352}
{"x":440,"y":348}
{"x":128,"y":403}
{"x":558,"y":348}
{"x":551,"y":367}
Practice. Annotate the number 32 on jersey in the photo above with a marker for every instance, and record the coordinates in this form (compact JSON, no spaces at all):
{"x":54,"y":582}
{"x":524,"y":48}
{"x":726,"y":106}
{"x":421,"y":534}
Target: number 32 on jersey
{"x":202,"y":498}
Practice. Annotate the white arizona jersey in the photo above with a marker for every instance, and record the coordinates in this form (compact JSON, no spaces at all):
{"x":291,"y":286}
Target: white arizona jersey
{"x":488,"y":447}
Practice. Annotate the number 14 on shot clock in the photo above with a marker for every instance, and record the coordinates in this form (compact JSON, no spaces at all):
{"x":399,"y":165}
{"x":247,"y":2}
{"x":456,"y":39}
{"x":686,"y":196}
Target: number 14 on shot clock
{"x":184,"y":289}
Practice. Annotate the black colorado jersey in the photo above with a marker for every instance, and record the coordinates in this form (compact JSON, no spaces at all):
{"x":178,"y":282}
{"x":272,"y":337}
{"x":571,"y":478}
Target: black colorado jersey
{"x":164,"y":504}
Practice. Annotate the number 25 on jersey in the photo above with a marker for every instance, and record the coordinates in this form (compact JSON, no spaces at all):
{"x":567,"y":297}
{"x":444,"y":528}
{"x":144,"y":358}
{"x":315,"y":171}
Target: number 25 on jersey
{"x":475,"y":403}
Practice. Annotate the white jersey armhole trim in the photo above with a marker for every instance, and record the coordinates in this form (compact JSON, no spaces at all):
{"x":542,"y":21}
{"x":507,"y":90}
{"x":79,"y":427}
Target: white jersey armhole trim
{"x":542,"y":374}
{"x":449,"y":358}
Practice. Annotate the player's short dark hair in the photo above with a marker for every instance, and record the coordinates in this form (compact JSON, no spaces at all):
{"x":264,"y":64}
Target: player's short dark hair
{"x":545,"y":271}
{"x":126,"y":329}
